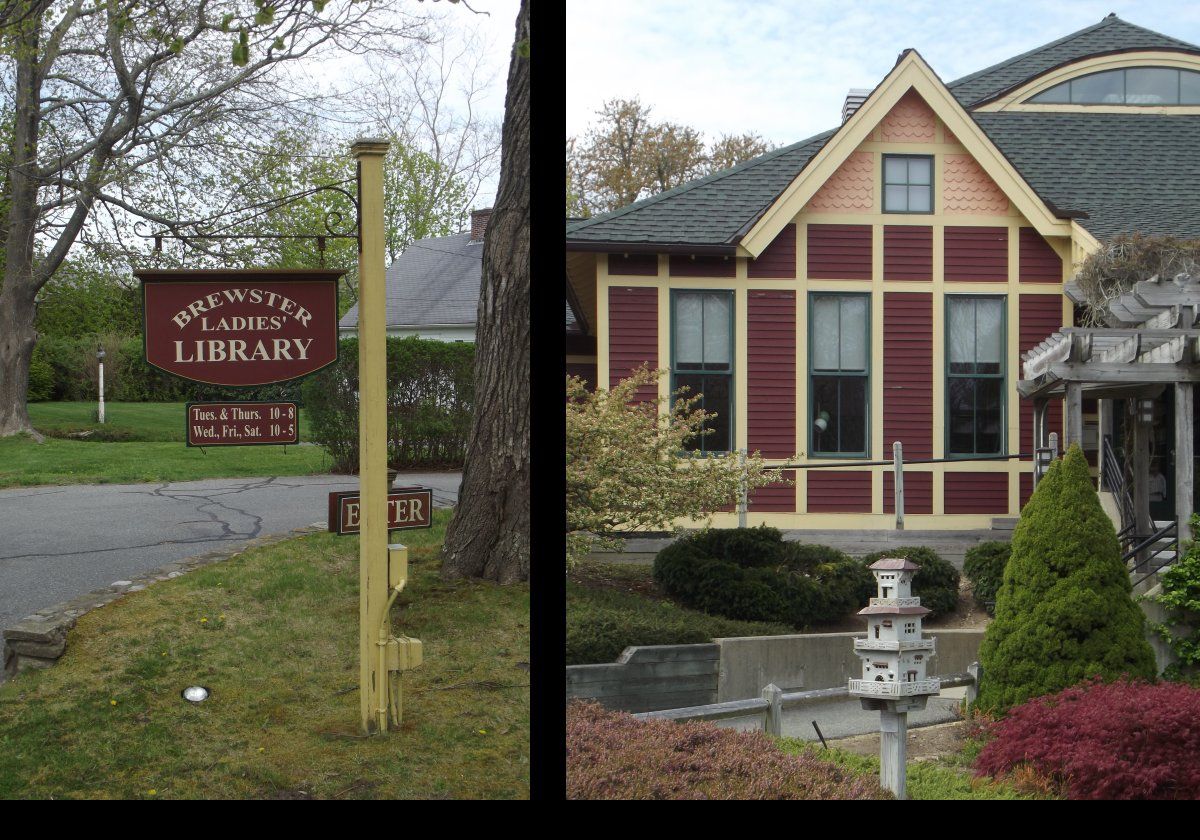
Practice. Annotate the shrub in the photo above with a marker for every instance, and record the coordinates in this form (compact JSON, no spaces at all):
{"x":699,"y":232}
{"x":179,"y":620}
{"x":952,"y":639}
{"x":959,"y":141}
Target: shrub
{"x":611,"y":755}
{"x":429,"y":403}
{"x":753,"y":575}
{"x":602,"y":623}
{"x":1063,"y":611}
{"x":1120,"y":740}
{"x":983,"y":565}
{"x":1180,"y":596}
{"x":41,"y":378}
{"x":936,"y":583}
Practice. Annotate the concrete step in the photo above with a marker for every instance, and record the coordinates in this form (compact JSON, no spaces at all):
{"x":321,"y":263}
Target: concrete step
{"x":1005,"y":523}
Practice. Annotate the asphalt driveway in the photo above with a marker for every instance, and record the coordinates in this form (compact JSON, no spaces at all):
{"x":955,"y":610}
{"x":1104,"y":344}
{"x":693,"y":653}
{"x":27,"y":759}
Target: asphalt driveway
{"x":60,"y":542}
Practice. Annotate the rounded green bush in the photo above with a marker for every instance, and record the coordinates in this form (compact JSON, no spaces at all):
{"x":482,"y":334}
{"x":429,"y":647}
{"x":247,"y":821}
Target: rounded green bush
{"x":936,"y":583}
{"x":1064,"y":611}
{"x":751,"y":574}
{"x":984,"y":565}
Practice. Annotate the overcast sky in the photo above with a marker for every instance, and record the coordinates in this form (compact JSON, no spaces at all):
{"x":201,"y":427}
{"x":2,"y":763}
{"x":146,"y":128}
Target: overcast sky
{"x":782,"y":68}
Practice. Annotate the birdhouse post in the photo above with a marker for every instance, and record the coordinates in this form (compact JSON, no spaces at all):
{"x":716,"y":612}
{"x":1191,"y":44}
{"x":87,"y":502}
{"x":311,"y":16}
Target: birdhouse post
{"x":894,"y":658}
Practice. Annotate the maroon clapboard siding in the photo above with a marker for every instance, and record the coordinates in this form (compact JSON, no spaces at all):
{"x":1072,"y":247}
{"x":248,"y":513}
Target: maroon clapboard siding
{"x":976,"y":492}
{"x":779,"y":258}
{"x":976,"y":253}
{"x":1040,"y":316}
{"x":918,"y":492}
{"x":1026,"y":486}
{"x":639,"y":264}
{"x":771,"y":382}
{"x":908,"y":372}
{"x":834,"y":491}
{"x":632,"y":334}
{"x":774,"y":498}
{"x":839,"y":252}
{"x":685,"y":266}
{"x":1038,"y":261}
{"x":907,"y":252}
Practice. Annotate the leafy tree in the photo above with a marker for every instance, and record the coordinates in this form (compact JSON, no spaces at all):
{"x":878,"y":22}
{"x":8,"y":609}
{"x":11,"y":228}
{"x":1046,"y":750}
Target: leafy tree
{"x":1063,"y":611}
{"x":731,"y":149}
{"x":87,"y":296}
{"x":625,"y":467}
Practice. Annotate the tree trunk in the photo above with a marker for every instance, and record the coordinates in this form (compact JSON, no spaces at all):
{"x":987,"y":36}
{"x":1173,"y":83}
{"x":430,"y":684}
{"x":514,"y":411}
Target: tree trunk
{"x":489,"y":535}
{"x":17,"y":333}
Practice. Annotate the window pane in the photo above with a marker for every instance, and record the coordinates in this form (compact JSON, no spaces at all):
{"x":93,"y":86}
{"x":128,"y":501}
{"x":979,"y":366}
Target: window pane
{"x":1152,"y":86}
{"x":895,"y":170}
{"x":717,"y":339}
{"x":918,"y":170}
{"x":895,"y":199}
{"x":918,"y":199}
{"x":854,"y":333}
{"x":1107,"y":88}
{"x":1189,"y":88}
{"x":989,"y":422}
{"x":853,"y":420}
{"x":961,"y":329}
{"x":688,"y":329}
{"x":960,"y":398}
{"x":825,"y":333}
{"x":1057,"y":94}
{"x":989,"y":337}
{"x":717,"y":400}
{"x":825,"y":414}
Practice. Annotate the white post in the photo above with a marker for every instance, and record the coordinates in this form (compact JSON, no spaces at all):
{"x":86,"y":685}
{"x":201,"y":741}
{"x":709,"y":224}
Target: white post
{"x":893,"y":737}
{"x":101,"y":413}
{"x":898,"y":461}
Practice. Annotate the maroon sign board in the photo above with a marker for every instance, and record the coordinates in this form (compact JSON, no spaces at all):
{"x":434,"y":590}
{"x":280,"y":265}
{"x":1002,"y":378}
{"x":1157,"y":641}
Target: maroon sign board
{"x":408,"y":507}
{"x":242,"y":423}
{"x":240,"y":328}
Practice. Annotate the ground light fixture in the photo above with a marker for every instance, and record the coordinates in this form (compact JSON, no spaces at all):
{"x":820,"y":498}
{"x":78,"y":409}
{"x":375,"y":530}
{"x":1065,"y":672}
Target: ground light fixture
{"x":195,"y":694}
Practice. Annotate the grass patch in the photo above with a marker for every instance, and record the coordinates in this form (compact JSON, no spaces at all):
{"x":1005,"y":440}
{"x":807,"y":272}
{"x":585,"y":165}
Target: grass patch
{"x":273,"y":632}
{"x":938,"y":779}
{"x":611,"y":606}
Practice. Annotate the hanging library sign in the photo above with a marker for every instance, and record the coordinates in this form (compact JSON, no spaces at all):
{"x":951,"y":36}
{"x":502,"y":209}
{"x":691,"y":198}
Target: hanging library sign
{"x":240,"y":328}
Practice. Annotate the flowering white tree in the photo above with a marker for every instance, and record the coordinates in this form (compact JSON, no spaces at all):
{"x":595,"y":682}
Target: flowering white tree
{"x":628,"y":468}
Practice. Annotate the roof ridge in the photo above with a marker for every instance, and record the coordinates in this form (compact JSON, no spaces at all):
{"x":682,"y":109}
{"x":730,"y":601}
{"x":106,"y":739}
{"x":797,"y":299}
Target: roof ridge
{"x":698,"y":182}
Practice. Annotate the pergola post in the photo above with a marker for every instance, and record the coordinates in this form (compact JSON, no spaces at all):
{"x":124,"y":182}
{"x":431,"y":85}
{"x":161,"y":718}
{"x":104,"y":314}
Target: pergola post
{"x":1184,"y":414}
{"x":1073,"y":426}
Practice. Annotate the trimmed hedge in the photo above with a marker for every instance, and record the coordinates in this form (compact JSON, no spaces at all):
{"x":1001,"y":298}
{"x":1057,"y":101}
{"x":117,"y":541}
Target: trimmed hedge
{"x":936,"y":583}
{"x":1064,"y":611}
{"x":611,"y":755}
{"x":751,"y":574}
{"x":983,"y":565}
{"x":430,"y":398}
{"x":1120,"y":740}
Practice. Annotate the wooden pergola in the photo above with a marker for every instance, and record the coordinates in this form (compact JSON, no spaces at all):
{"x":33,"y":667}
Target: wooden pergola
{"x":1151,"y":343}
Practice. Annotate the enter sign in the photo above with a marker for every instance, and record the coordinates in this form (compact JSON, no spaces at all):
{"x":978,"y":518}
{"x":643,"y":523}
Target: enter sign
{"x":408,"y":507}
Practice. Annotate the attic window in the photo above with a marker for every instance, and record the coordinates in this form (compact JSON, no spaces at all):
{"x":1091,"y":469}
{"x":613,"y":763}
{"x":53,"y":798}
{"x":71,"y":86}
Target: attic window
{"x":1130,"y":86}
{"x":907,"y":184}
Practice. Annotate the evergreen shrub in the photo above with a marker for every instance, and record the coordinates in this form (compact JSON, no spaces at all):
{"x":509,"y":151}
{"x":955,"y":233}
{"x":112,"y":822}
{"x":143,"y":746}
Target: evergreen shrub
{"x":1064,"y":611}
{"x":983,"y":565}
{"x":935,"y":583}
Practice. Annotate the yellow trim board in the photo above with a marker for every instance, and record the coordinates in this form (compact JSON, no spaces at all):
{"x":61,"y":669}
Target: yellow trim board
{"x":910,"y":73}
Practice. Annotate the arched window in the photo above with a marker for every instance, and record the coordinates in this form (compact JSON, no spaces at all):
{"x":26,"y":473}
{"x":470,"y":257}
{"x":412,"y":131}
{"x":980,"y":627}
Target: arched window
{"x":1129,"y":86}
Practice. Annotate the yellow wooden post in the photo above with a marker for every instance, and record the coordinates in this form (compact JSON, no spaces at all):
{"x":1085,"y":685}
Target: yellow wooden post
{"x":372,"y":434}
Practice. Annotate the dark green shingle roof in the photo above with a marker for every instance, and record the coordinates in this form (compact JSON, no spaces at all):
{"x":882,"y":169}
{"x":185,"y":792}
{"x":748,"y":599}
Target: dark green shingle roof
{"x":1109,"y":35}
{"x":1128,"y":172}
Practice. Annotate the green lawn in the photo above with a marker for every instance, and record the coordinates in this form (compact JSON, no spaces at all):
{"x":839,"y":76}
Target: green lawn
{"x":144,"y":442}
{"x":273,"y":632}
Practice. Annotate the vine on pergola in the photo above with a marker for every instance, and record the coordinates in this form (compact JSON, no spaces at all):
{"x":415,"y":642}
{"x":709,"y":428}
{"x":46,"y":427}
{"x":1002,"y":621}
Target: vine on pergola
{"x":1127,"y":259}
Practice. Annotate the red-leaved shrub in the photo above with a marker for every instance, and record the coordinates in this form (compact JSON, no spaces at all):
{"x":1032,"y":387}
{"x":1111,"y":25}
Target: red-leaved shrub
{"x":611,"y":755}
{"x":1119,"y":740}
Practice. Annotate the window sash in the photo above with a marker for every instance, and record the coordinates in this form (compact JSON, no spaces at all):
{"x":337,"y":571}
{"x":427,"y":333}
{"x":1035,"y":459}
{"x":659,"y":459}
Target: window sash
{"x":984,"y":421}
{"x":907,"y":183}
{"x":702,"y":347}
{"x":839,"y":352}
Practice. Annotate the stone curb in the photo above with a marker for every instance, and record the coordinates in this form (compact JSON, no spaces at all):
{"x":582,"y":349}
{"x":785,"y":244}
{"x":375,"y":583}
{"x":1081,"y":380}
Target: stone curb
{"x":38,"y":640}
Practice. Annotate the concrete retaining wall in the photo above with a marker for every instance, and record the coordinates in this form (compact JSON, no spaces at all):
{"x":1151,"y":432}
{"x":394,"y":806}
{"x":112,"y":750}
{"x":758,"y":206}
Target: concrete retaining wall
{"x":646,"y":679}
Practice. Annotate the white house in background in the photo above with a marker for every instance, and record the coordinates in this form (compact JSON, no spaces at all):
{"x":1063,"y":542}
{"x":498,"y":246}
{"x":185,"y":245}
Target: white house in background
{"x":433,"y":287}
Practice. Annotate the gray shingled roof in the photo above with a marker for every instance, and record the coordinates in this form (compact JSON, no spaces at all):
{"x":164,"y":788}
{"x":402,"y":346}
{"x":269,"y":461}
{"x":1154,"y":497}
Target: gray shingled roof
{"x":1126,"y":171}
{"x":435,"y":281}
{"x":709,"y":211}
{"x":1109,"y":35}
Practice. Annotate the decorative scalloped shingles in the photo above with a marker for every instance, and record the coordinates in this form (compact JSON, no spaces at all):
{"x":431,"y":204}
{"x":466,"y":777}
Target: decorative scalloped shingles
{"x":909,"y":121}
{"x":968,"y":191}
{"x":849,"y":190}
